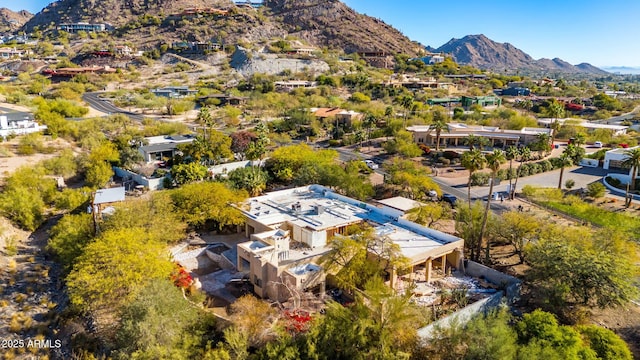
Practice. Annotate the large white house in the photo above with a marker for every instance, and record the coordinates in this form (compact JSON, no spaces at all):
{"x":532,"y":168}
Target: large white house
{"x":18,"y":123}
{"x":290,"y":230}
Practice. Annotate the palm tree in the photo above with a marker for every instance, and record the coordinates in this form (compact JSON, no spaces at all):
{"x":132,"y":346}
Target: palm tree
{"x":494,"y":160}
{"x":472,"y":141}
{"x":368,"y":121}
{"x":542,"y":143}
{"x":525,"y":155}
{"x":204,"y":117}
{"x":439,"y":123}
{"x":472,"y":161}
{"x":511,"y":153}
{"x":565,"y":160}
{"x":555,"y":110}
{"x":406,"y":101}
{"x":632,"y":160}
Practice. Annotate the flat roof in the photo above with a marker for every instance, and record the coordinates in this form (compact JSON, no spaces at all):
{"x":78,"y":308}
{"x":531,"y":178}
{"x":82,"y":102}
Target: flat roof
{"x":277,"y":207}
{"x":105,"y":196}
{"x":583,"y":123}
{"x":400,"y":203}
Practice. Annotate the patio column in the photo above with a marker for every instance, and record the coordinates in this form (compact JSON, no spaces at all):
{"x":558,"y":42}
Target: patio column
{"x":427,"y":270}
{"x":444,"y":263}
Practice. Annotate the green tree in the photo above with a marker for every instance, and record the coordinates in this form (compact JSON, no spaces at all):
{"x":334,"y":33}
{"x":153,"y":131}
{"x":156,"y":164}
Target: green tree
{"x":518,"y":229}
{"x":564,"y":160}
{"x":541,"y":336}
{"x":68,"y":238}
{"x":257,"y":149}
{"x":208,"y":202}
{"x":606,"y":344}
{"x":632,"y":161}
{"x":511,"y":154}
{"x":361,"y":255}
{"x":473,"y":161}
{"x":494,"y":161}
{"x":113,"y":267}
{"x":252,"y":179}
{"x":555,"y":110}
{"x":468,"y":225}
{"x":596,"y":190}
{"x":159,"y":326}
{"x":188,"y":173}
{"x":578,"y":267}
{"x":156,"y":214}
{"x":525,"y":156}
{"x":23,"y":206}
{"x":438,"y":125}
{"x":430,"y":214}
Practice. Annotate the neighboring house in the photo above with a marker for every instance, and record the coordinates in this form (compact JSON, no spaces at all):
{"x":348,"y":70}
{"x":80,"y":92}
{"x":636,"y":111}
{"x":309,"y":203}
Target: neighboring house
{"x":458,"y":132}
{"x":589,"y":126}
{"x":294,"y":84}
{"x":174,"y":92}
{"x":82,"y":26}
{"x":489,"y":100}
{"x":224,"y":99}
{"x":345,"y":117}
{"x":290,"y":230}
{"x":513,"y":91}
{"x":18,"y":123}
{"x":160,"y":148}
{"x":123,"y":50}
{"x":11,"y":53}
{"x":613,"y":159}
{"x":104,"y":198}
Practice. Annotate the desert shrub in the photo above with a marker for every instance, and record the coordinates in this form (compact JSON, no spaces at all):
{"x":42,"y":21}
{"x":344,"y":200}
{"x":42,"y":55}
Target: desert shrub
{"x":480,"y":179}
{"x":596,"y":190}
{"x":545,"y":165}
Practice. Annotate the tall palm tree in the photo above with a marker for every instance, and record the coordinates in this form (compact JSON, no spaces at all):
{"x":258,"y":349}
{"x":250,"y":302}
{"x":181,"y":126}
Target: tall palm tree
{"x":511,"y":154}
{"x":632,"y":160}
{"x":439,"y":123}
{"x":369,"y":121}
{"x":472,"y":161}
{"x":494,"y":160}
{"x":525,"y":155}
{"x":565,"y":160}
{"x":555,"y":110}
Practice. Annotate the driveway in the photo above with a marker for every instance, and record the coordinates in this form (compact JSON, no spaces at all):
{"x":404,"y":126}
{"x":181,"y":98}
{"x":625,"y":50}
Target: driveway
{"x":583,"y":176}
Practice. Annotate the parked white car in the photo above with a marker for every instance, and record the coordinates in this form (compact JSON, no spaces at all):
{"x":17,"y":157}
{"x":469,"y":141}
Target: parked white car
{"x":372,"y":165}
{"x":597,"y":144}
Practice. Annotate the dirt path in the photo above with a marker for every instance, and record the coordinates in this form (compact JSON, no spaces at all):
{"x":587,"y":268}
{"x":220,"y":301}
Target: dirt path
{"x":31,"y":296}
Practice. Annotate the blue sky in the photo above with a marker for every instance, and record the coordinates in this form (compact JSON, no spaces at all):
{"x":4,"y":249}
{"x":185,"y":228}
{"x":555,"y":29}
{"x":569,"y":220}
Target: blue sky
{"x":603,"y":33}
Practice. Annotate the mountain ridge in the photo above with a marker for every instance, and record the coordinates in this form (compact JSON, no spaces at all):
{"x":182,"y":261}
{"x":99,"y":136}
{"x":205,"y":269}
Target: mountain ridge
{"x":321,"y":23}
{"x":12,"y":20}
{"x":484,"y":53}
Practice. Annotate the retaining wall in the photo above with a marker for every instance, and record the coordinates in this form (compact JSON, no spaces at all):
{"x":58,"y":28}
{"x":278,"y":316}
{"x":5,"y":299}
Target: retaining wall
{"x":510,"y":294}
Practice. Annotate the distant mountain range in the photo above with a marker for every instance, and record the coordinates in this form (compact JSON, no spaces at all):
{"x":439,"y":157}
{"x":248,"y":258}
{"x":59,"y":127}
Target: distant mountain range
{"x":481,"y":52}
{"x":622,"y":69}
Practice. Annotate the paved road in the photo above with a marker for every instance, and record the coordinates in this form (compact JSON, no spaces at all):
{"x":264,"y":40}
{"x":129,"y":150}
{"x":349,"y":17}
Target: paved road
{"x":106,"y":106}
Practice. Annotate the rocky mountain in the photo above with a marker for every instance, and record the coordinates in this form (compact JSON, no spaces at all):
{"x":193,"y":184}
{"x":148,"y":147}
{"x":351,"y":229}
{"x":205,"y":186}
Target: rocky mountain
{"x":484,"y":53}
{"x":320,"y":23}
{"x":11,"y":20}
{"x":334,"y":24}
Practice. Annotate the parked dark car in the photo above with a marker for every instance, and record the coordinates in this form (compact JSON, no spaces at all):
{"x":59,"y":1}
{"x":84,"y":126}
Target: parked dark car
{"x":450,"y":199}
